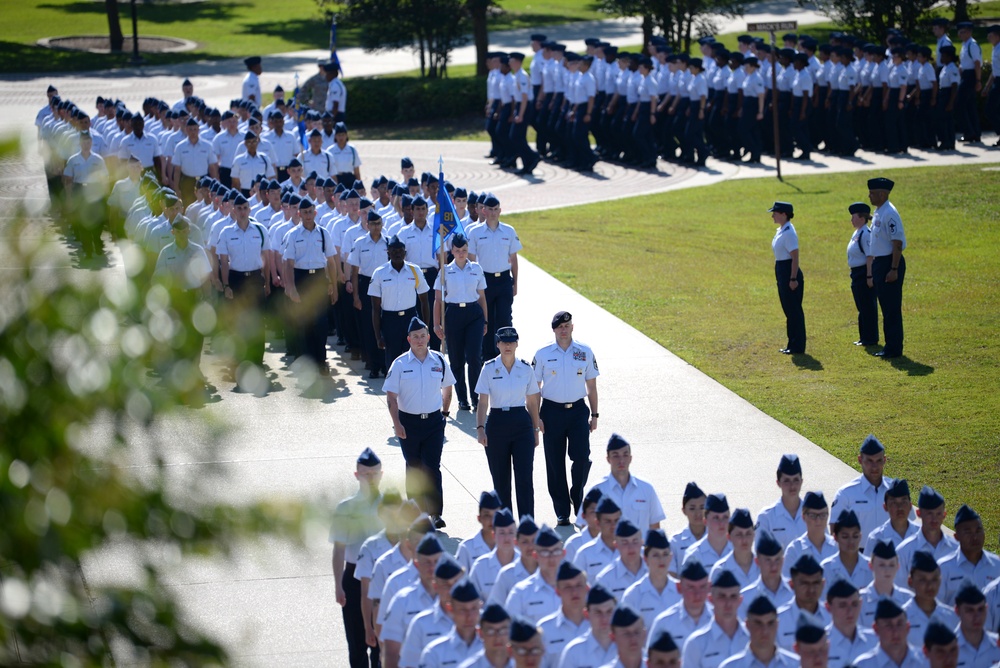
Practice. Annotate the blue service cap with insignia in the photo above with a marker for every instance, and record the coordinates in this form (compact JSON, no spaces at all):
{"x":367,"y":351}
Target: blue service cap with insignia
{"x":767,"y":544}
{"x":616,"y":442}
{"x":416,"y":324}
{"x":240,"y":200}
{"x":884,"y":549}
{"x":741,"y":518}
{"x":790,"y":465}
{"x":760,"y":606}
{"x":814,"y":501}
{"x":692,"y":491}
{"x":871,"y":445}
{"x":368,"y":458}
{"x":567,"y":571}
{"x":464,"y":591}
{"x":624,"y":616}
{"x":725,"y":578}
{"x":898,"y":489}
{"x":599,"y":594}
{"x":859,"y":207}
{"x":459,"y":241}
{"x":493,"y":613}
{"x":527,"y":526}
{"x":663,"y":642}
{"x":522,"y":629}
{"x":842,"y":588}
{"x":716,"y":503}
{"x":880,"y":183}
{"x":929,"y":498}
{"x":374,"y":217}
{"x":887,"y":609}
{"x":429,"y":545}
{"x":503,"y":518}
{"x":547,"y":537}
{"x":626,"y":528}
{"x":506,"y":335}
{"x":965,"y":514}
{"x":782,"y":207}
{"x":969,"y":594}
{"x":489,"y":501}
{"x":809,"y":629}
{"x":693,"y":570}
{"x":806,"y":565}
{"x":607,"y":506}
{"x":847,"y":519}
{"x":305,"y":204}
{"x":938,"y":634}
{"x":560,"y":318}
{"x":657,"y":539}
{"x":446,"y":567}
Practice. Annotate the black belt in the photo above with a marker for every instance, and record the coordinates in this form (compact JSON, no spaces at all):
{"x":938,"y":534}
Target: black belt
{"x":505,"y":409}
{"x":307,"y":271}
{"x":458,"y":304}
{"x":399,"y":313}
{"x":421,"y":416}
{"x":248,"y":274}
{"x":562,"y":405}
{"x":497,"y":274}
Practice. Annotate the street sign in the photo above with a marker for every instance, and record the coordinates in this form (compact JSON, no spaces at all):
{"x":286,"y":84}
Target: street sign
{"x":772,"y":27}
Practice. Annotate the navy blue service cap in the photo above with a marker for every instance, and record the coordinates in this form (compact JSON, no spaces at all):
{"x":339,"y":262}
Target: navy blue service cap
{"x":522,"y":629}
{"x":464,"y":591}
{"x":929,"y":498}
{"x":625,"y":529}
{"x":415,"y":324}
{"x":368,"y":458}
{"x":607,"y":506}
{"x":374,"y":217}
{"x":814,"y":501}
{"x":790,"y":465}
{"x":884,"y":549}
{"x":624,"y":616}
{"x":396,"y":242}
{"x":898,"y":489}
{"x":761,"y":605}
{"x":339,"y":128}
{"x":429,"y":545}
{"x":847,"y":519}
{"x":503,"y":518}
{"x":657,"y":539}
{"x":251,"y":61}
{"x":493,"y":613}
{"x":969,"y":594}
{"x":965,"y":514}
{"x":616,"y":442}
{"x":767,"y":544}
{"x":567,"y":571}
{"x":880,"y":183}
{"x":507,"y":335}
{"x":663,"y":642}
{"x":599,"y":594}
{"x":741,"y":518}
{"x":782,"y":207}
{"x":305,"y":204}
{"x":887,"y":609}
{"x":841,"y":589}
{"x":547,"y":537}
{"x":716,"y":503}
{"x":808,"y":629}
{"x":560,"y":317}
{"x":693,"y":570}
{"x":692,"y":491}
{"x":405,"y":163}
{"x":446,"y":567}
{"x":859,"y":207}
{"x":806,"y":565}
{"x":924,"y":562}
{"x":938,"y":634}
{"x":724,"y":578}
{"x":527,"y":526}
{"x":489,"y":501}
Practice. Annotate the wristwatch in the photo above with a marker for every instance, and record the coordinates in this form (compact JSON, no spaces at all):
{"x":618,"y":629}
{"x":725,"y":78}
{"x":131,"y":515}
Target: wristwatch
{"x":595,"y":415}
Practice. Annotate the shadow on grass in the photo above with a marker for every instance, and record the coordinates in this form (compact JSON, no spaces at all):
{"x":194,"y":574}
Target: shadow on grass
{"x":157,"y":12}
{"x":807,"y":362}
{"x":308,"y":32}
{"x":911,"y":367}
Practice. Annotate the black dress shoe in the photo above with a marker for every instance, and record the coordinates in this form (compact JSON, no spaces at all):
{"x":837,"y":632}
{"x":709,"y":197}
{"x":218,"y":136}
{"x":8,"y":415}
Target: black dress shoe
{"x":887,"y":355}
{"x":464,"y":406}
{"x":373,"y":373}
{"x":866,"y":343}
{"x":439,"y":522}
{"x":563,"y":522}
{"x":783,"y":351}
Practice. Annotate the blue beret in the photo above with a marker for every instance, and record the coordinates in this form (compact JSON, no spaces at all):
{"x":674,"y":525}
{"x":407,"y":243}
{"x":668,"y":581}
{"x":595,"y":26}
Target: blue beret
{"x":898,"y":489}
{"x":790,"y":465}
{"x":546,"y":537}
{"x":693,"y":570}
{"x":938,"y":634}
{"x":741,"y":518}
{"x":657,"y":538}
{"x":809,"y":629}
{"x":814,"y":501}
{"x":969,"y":594}
{"x":429,"y":545}
{"x":625,"y":529}
{"x":924,"y":562}
{"x":716,"y":503}
{"x":884,"y":549}
{"x":782,"y":207}
{"x":446,"y":568}
{"x":725,"y":578}
{"x":368,"y":458}
{"x":493,"y":613}
{"x":527,"y":526}
{"x":396,"y":242}
{"x":841,"y":589}
{"x":806,"y":565}
{"x":522,"y":629}
{"x":464,"y":591}
{"x":965,"y":514}
{"x":616,"y":442}
{"x":929,"y":498}
{"x":761,"y":605}
{"x":567,"y":571}
{"x":415,"y":324}
{"x":767,"y":545}
{"x":503,"y":518}
{"x":489,"y":500}
{"x":599,"y":594}
{"x":887,"y":609}
{"x":664,"y":642}
{"x":880,"y":183}
{"x":692,"y":491}
{"x":847,"y":519}
{"x":624,"y":616}
{"x":606,"y":506}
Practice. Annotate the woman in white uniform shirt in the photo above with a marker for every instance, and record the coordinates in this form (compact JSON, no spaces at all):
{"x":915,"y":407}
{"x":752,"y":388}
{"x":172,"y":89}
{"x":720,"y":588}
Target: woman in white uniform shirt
{"x":508,"y":390}
{"x":789,"y":277}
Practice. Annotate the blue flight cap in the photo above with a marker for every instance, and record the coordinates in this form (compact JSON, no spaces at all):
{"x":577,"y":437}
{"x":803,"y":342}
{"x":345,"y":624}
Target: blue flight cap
{"x":339,"y":128}
{"x":396,"y":242}
{"x":503,"y":518}
{"x":924,"y":562}
{"x":251,"y":61}
{"x":898,"y":489}
{"x":493,"y":613}
{"x":351,"y":194}
{"x":938,"y":634}
{"x":693,"y":570}
{"x":527,"y":526}
{"x":294,"y":162}
{"x":416,"y":324}
{"x":405,"y":163}
{"x":464,"y":591}
{"x":446,"y":568}
{"x":884,"y":549}
{"x":459,"y":241}
{"x":663,"y":642}
{"x":567,"y":571}
{"x":809,"y":629}
{"x":616,"y":442}
{"x":624,"y":616}
{"x":419,"y":201}
{"x":489,"y":501}
{"x":607,"y":506}
{"x":657,"y":539}
{"x":887,"y":609}
{"x":741,"y":518}
{"x":546,"y":537}
{"x":814,"y":501}
{"x":368,"y":458}
{"x":767,"y":544}
{"x":716,"y":503}
{"x":790,"y":465}
{"x":240,"y":200}
{"x":847,"y":519}
{"x":969,"y":594}
{"x":929,"y":498}
{"x":374,"y":217}
{"x":625,"y":529}
{"x":305,"y":204}
{"x":522,"y":629}
{"x":841,"y":589}
{"x":806,"y":565}
{"x":761,"y":605}
{"x":725,"y":578}
{"x":692,"y":491}
{"x":599,"y":594}
{"x":429,"y":545}
{"x":965,"y":514}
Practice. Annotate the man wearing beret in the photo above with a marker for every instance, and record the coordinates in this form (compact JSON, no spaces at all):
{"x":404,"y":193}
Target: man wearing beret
{"x":567,"y":372}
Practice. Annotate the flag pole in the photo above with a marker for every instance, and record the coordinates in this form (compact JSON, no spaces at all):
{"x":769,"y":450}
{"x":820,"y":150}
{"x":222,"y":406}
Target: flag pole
{"x":442,"y":232}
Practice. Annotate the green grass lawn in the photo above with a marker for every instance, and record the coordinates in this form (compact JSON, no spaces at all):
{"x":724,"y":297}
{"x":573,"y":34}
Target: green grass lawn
{"x":222,"y":28}
{"x":693,"y":270}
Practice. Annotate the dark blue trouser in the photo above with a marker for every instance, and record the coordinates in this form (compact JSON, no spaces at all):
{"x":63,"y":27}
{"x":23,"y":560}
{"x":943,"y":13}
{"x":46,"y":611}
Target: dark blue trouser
{"x":499,"y":309}
{"x":642,"y":136}
{"x":310,"y":313}
{"x":800,"y":127}
{"x":430,"y":275}
{"x":581,"y":153}
{"x":791,"y":304}
{"x":246,"y":315}
{"x":567,"y":430}
{"x":890,"y":299}
{"x":503,"y":145}
{"x":463,"y":328}
{"x":491,"y":126}
{"x":944,"y":121}
{"x":993,"y":106}
{"x":354,"y":627}
{"x":394,"y":328}
{"x":367,"y":328}
{"x":867,"y":304}
{"x":422,"y":452}
{"x":966,"y":110}
{"x":893,"y":124}
{"x":518,"y":138}
{"x":750,"y":129}
{"x":510,"y":443}
{"x":542,"y":125}
{"x":694,"y":148}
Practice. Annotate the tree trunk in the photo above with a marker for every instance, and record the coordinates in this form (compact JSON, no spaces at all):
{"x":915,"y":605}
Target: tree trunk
{"x":480,"y":32}
{"x":117,"y":38}
{"x":647,"y":32}
{"x":961,"y":10}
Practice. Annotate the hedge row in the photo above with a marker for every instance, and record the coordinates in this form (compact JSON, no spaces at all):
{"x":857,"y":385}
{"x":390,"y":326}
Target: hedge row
{"x":379,"y":100}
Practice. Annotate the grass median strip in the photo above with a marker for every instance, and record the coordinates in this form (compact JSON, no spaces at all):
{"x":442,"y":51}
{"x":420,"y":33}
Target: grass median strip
{"x":692,"y":269}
